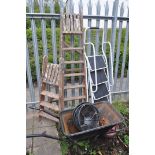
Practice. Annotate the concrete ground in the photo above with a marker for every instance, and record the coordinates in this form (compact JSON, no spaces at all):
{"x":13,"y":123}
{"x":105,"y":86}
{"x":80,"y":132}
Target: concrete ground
{"x":45,"y":146}
{"x":41,"y":146}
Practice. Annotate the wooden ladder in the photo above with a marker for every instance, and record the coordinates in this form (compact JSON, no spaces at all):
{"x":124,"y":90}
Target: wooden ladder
{"x":50,"y":78}
{"x":71,"y":25}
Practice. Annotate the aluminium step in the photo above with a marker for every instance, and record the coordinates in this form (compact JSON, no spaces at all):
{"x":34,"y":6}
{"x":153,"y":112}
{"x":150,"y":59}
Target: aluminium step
{"x":101,"y":91}
{"x":102,"y":99}
{"x":101,"y":76}
{"x":100,"y":63}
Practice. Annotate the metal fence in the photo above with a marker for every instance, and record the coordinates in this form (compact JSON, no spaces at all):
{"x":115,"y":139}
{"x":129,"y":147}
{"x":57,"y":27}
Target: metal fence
{"x":43,"y":12}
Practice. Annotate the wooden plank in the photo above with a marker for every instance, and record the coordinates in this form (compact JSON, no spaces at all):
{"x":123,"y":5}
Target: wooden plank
{"x":50,"y":106}
{"x":50,"y":67}
{"x":50,"y":94}
{"x":64,"y":22}
{"x":74,"y":74}
{"x":45,"y":115}
{"x":74,"y":69}
{"x":67,"y":23}
{"x":73,"y":32}
{"x":50,"y":83}
{"x":52,"y":72}
{"x":75,"y":98}
{"x":74,"y":86}
{"x":55,"y":79}
{"x":73,"y":62}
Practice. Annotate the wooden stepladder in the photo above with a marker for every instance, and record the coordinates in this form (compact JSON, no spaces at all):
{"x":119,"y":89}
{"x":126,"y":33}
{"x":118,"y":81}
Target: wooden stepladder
{"x":49,"y":98}
{"x":72,"y":26}
{"x":59,"y":75}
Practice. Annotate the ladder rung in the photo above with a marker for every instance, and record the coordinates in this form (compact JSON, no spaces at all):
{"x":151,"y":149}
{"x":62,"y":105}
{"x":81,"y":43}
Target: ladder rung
{"x":43,"y":114}
{"x":50,"y":106}
{"x":74,"y":69}
{"x":74,"y":74}
{"x":75,"y":98}
{"x":50,"y":94}
{"x":72,"y":48}
{"x":72,"y":87}
{"x":72,"y":32}
{"x":73,"y":62}
{"x":50,"y":83}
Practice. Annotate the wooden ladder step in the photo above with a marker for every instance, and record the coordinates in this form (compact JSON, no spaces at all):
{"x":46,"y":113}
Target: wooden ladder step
{"x":74,"y":70}
{"x":50,"y":106}
{"x":73,"y":32}
{"x":74,"y":98}
{"x":73,"y":62}
{"x":72,"y":87}
{"x":50,"y":83}
{"x":74,"y":74}
{"x":45,"y":115}
{"x":50,"y":94}
{"x":72,"y":48}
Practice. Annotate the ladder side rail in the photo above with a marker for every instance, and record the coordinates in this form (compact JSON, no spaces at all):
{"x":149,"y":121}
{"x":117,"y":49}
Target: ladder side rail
{"x":111,"y":82}
{"x":104,"y":55}
{"x":90,"y":43}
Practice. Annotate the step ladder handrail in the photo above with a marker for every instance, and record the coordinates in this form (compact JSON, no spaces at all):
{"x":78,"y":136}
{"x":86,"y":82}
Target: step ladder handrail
{"x":112,"y":80}
{"x":90,"y":43}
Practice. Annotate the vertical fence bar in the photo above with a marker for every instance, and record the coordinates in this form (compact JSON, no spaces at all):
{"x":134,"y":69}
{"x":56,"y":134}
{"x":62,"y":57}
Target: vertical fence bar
{"x":35,"y":44}
{"x":105,"y":25}
{"x":118,"y":47}
{"x":53,"y":30}
{"x":89,"y":25}
{"x":127,"y":82}
{"x":114,"y":24}
{"x":29,"y":76}
{"x":98,"y":9}
{"x":113,"y":33}
{"x":61,"y":4}
{"x":43,"y":27}
{"x":124,"y":53}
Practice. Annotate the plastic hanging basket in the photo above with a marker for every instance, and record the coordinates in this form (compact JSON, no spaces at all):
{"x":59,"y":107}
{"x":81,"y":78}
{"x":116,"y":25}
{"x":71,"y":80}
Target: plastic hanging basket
{"x":86,"y":116}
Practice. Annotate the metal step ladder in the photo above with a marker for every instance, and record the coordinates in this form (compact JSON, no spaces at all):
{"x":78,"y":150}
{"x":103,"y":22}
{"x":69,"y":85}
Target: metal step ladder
{"x":98,"y":78}
{"x":71,"y":25}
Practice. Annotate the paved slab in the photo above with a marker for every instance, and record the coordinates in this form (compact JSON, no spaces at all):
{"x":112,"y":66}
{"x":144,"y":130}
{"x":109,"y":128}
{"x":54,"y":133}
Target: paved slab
{"x":41,"y":146}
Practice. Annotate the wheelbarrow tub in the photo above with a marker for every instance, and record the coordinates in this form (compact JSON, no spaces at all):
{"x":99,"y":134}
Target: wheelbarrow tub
{"x":107,"y":112}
